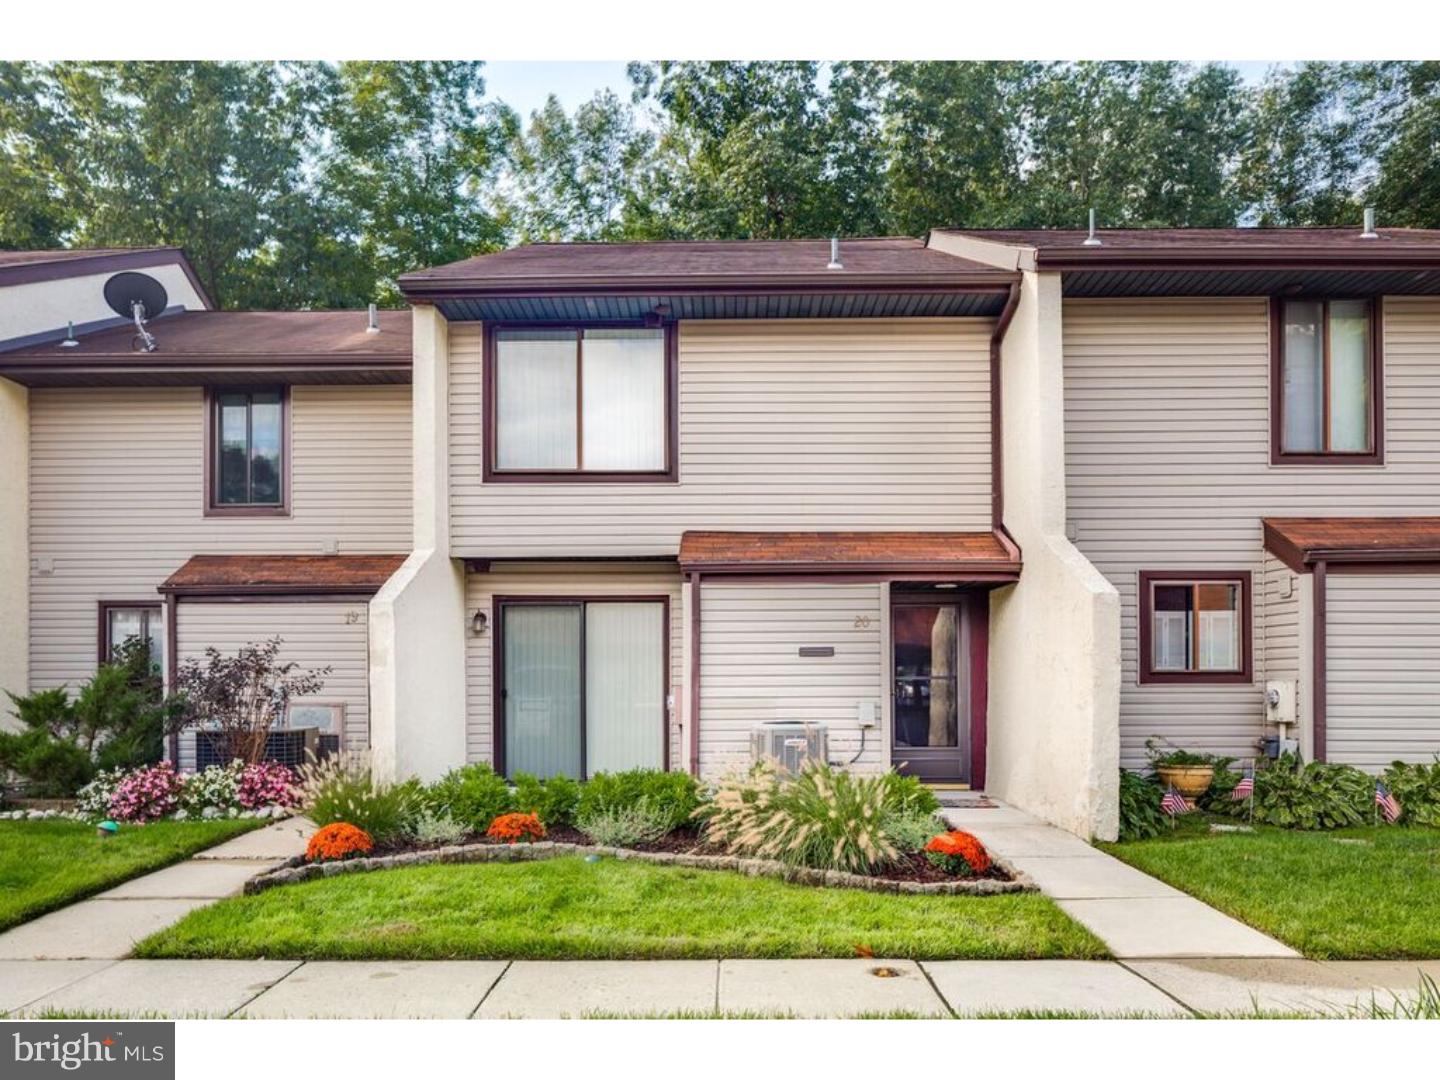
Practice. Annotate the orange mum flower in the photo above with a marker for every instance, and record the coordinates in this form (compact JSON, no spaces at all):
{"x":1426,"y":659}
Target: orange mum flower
{"x":513,"y":828}
{"x":338,"y":841}
{"x":958,"y":852}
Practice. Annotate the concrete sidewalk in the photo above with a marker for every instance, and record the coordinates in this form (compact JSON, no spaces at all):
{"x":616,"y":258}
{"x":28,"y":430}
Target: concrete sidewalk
{"x":1133,"y":913}
{"x":107,"y":926}
{"x":697,"y":988}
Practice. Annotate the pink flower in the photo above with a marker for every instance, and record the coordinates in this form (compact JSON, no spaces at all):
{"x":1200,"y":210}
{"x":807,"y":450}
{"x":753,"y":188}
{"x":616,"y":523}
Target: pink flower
{"x":267,"y":783}
{"x":147,"y":794}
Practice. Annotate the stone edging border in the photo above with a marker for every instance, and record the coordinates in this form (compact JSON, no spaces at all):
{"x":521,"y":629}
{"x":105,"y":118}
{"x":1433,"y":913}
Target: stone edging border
{"x":296,"y":869}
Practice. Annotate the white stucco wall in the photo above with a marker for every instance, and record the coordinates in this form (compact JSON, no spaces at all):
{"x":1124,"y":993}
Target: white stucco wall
{"x":418,"y":619}
{"x":14,"y":543}
{"x":1054,"y":724}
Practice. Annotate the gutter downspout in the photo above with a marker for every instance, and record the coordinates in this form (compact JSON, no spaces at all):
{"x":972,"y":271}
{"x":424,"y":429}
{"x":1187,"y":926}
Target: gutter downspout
{"x":695,"y":674}
{"x":997,"y":445}
{"x":1317,"y":665}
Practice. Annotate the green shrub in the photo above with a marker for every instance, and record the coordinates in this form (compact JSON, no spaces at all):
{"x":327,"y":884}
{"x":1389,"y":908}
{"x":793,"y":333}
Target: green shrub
{"x":115,"y":721}
{"x":1140,"y":813}
{"x":1311,"y":796}
{"x":474,"y":795}
{"x":553,"y":801}
{"x":342,"y":788}
{"x":626,"y":826}
{"x":908,"y":795}
{"x":824,"y":818}
{"x":1417,"y":789}
{"x":676,"y":794}
{"x":432,"y":828}
{"x":1162,"y":751}
{"x":910,"y":830}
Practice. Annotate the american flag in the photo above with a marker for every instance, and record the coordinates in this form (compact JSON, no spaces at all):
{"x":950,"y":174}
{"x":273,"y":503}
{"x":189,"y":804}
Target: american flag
{"x":1174,"y":803}
{"x":1386,"y":802}
{"x":1246,"y":787}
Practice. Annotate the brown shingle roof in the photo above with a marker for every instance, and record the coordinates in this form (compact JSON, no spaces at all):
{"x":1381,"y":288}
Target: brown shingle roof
{"x":57,"y":255}
{"x":1246,"y":246}
{"x":954,"y":552}
{"x":1300,"y":542}
{"x":240,"y":575}
{"x":258,"y":335}
{"x":702,"y":264}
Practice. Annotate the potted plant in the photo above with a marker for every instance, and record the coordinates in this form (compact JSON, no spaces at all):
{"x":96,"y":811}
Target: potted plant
{"x":1187,"y":772}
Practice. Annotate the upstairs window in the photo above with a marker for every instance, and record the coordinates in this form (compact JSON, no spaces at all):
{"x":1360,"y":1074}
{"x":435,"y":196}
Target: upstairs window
{"x":1194,"y":627}
{"x":580,"y":403}
{"x":247,"y":451}
{"x":1327,"y":380}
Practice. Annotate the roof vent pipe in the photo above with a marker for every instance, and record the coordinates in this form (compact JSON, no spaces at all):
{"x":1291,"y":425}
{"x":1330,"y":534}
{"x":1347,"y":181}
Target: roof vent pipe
{"x":835,"y":263}
{"x":1092,"y":240}
{"x":373,"y":326}
{"x":70,"y":342}
{"x":1369,"y":233}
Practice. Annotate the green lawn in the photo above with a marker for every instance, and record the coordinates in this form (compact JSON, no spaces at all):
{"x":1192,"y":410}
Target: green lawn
{"x":47,"y":864}
{"x":567,"y":908}
{"x":1377,"y":897}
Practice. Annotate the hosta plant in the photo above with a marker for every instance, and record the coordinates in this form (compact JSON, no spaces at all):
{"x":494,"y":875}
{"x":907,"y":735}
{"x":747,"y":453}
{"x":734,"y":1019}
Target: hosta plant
{"x":1417,"y":789}
{"x":824,"y":818}
{"x":1309,"y":796}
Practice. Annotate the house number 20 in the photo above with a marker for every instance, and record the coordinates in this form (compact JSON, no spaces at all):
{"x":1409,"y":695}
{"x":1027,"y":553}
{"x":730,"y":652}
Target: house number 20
{"x":862,"y":622}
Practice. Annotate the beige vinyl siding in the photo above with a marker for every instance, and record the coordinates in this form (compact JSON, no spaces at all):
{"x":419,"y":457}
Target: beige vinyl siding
{"x":117,"y":492}
{"x":562,"y":580}
{"x":1279,"y":617}
{"x":1382,"y":668}
{"x":1167,"y":419}
{"x":751,"y":670}
{"x":316,"y":635}
{"x":844,"y":424}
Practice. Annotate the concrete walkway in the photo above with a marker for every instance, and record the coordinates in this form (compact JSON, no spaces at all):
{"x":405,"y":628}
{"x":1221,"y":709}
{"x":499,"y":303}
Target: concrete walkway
{"x":107,"y":926}
{"x":760,"y":988}
{"x":1137,"y":916}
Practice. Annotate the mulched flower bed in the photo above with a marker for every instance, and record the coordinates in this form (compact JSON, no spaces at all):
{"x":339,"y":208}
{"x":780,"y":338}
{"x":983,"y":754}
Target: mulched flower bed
{"x":687,"y":846}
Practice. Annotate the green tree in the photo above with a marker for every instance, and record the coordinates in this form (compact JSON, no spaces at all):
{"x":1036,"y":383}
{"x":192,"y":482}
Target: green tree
{"x":953,"y":135}
{"x":33,"y":210}
{"x":575,"y":177}
{"x":412,"y":158}
{"x":201,"y":155}
{"x":1407,"y":191}
{"x":1143,"y":143}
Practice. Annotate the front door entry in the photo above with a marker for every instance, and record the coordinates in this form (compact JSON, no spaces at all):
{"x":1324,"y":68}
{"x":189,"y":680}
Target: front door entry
{"x":931,"y":692}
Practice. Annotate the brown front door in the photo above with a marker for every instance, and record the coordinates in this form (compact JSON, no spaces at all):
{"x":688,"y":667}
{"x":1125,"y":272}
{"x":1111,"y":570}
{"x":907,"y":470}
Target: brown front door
{"x":931,"y":692}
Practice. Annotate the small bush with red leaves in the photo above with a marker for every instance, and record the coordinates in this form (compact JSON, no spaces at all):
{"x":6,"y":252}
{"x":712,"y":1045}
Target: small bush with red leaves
{"x":338,"y":841}
{"x":958,"y":853}
{"x":514,"y":828}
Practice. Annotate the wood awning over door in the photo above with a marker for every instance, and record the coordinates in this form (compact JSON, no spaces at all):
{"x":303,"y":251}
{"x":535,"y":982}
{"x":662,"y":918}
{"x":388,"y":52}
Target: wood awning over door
{"x":957,"y":556}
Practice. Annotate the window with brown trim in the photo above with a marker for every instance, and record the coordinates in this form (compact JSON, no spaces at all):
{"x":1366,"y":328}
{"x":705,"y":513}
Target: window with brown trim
{"x":1195,"y":626}
{"x":1326,"y":386}
{"x":247,"y":451}
{"x":122,"y":621}
{"x":578,"y":403}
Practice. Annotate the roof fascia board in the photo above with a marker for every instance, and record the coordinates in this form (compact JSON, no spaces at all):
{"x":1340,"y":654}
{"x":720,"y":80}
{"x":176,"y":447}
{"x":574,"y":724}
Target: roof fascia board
{"x":1017,"y":257}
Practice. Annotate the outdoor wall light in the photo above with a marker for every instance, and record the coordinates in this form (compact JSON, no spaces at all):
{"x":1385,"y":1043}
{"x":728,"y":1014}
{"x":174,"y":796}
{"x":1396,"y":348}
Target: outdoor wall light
{"x":478,"y":622}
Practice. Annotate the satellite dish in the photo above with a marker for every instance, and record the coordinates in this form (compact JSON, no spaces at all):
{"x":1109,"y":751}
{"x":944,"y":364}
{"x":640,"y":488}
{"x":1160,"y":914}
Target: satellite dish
{"x":138,"y":297}
{"x":125,"y":290}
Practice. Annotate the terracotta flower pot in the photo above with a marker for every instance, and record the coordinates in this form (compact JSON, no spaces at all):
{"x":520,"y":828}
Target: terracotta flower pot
{"x":1189,"y":780}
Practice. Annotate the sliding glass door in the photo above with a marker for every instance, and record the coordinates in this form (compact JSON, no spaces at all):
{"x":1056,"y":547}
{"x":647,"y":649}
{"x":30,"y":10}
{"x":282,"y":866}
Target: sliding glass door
{"x":582,"y":685}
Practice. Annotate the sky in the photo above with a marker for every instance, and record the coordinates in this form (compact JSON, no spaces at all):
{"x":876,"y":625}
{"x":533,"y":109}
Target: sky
{"x":524,"y":84}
